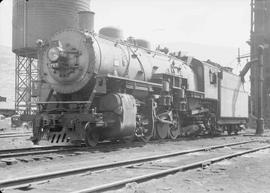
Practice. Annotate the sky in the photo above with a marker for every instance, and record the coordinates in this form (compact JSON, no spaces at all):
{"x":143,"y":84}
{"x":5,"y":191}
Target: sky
{"x":224,"y":23}
{"x":214,"y":22}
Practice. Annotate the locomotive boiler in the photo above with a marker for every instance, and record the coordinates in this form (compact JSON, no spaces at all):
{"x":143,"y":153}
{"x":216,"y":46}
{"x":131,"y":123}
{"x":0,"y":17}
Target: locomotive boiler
{"x":96,"y":87}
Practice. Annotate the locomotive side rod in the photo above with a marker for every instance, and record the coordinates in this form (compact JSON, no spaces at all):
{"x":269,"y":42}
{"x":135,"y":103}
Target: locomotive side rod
{"x":155,"y":175}
{"x":37,"y":178}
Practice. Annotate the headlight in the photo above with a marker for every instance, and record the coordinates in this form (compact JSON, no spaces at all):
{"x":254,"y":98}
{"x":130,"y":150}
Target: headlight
{"x":53,"y":54}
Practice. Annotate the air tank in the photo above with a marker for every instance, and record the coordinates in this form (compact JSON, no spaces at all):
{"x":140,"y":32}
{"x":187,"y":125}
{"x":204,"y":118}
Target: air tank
{"x":40,"y":19}
{"x":112,"y":32}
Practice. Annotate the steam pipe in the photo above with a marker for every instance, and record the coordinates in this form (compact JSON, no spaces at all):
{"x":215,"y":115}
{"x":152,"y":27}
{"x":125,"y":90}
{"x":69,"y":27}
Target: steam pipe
{"x":246,"y":68}
{"x":260,"y":63}
{"x":260,"y":120}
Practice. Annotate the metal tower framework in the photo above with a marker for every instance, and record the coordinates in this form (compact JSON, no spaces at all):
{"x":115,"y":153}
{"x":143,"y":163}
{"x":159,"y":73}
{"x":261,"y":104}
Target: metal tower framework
{"x":26,"y":73}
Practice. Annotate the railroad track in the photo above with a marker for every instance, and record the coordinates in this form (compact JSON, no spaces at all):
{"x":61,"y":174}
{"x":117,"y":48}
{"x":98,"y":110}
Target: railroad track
{"x":154,"y":175}
{"x":107,"y":145}
{"x":134,"y":164}
{"x":31,"y":151}
{"x":13,"y":134}
{"x":42,"y":150}
{"x":14,"y":153}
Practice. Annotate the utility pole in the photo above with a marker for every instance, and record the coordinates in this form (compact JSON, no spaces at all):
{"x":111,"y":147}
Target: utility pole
{"x":260,"y":120}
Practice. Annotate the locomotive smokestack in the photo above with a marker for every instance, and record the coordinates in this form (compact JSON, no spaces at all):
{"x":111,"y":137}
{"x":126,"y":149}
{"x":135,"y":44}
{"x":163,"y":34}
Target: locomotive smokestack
{"x":86,"y":21}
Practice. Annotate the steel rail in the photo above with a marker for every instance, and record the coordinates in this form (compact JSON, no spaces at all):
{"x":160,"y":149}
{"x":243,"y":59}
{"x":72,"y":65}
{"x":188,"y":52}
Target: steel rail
{"x":18,"y":135}
{"x":29,"y":149}
{"x":168,"y":171}
{"x":41,"y":152}
{"x":58,"y":174}
{"x":8,"y":153}
{"x":15,"y":133}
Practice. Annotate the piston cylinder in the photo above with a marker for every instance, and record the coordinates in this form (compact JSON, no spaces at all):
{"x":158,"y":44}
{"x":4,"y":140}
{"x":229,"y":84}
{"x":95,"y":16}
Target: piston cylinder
{"x":119,"y":112}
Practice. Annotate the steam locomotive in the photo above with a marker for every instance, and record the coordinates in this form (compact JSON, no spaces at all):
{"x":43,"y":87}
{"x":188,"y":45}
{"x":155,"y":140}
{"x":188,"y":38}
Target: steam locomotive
{"x":96,"y":87}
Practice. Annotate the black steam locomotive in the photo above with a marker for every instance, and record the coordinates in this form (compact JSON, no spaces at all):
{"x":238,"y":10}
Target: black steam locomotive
{"x":96,"y":87}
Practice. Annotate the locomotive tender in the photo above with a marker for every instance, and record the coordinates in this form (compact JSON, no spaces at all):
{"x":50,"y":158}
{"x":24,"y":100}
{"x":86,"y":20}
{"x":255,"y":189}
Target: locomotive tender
{"x":95,"y":87}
